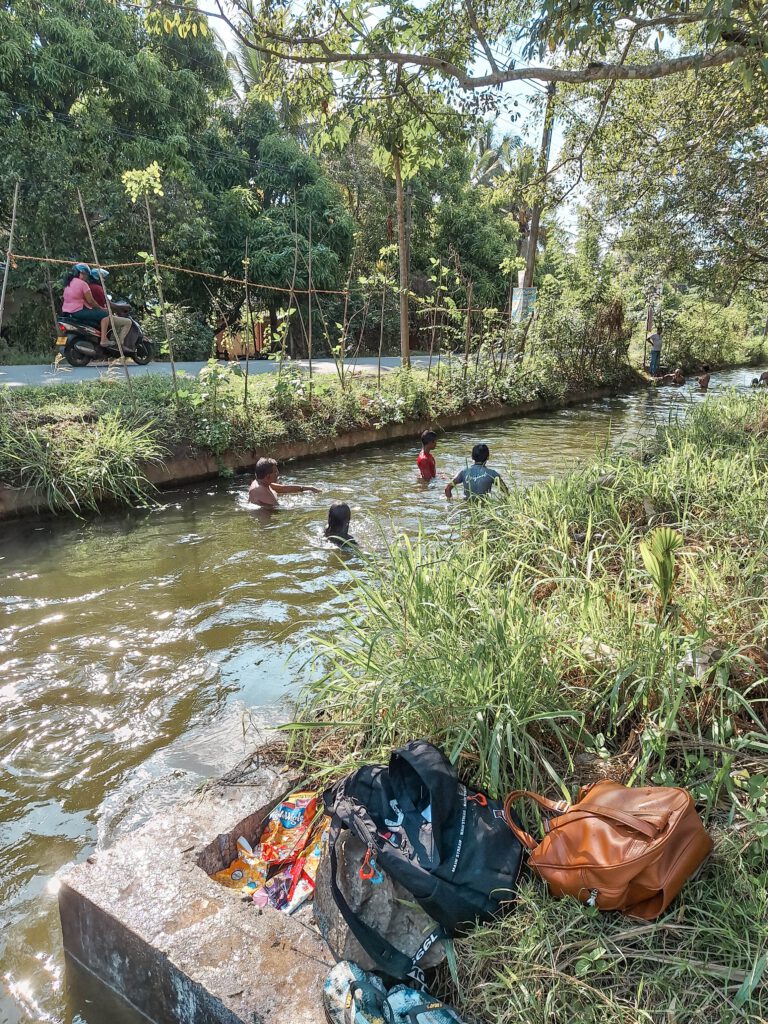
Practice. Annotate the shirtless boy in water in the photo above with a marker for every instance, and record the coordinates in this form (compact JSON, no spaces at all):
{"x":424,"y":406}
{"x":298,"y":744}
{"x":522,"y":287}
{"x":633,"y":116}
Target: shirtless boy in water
{"x":265,"y":488}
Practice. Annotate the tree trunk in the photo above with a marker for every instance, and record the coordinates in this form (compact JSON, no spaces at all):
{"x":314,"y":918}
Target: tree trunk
{"x":402,"y":244}
{"x":546,"y":143}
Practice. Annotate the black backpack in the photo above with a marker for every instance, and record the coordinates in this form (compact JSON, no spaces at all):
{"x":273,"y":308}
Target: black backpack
{"x":460,"y":862}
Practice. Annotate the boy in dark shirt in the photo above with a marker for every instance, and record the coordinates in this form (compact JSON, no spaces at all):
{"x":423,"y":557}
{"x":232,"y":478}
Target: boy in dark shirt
{"x":426,"y":460}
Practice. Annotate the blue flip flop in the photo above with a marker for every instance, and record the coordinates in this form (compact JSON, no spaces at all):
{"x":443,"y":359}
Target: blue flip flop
{"x":353,"y":996}
{"x":407,"y":1006}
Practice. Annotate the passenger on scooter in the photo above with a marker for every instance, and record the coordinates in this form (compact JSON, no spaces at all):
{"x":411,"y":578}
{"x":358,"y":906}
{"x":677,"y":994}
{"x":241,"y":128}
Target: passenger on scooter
{"x":122,"y":323}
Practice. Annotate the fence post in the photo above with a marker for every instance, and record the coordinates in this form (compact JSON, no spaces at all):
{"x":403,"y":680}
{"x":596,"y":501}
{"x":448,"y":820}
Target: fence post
{"x":7,"y":269}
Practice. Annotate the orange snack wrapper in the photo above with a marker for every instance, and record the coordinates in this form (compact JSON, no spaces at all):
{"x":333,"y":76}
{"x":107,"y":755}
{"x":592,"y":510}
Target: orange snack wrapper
{"x":287,"y":828}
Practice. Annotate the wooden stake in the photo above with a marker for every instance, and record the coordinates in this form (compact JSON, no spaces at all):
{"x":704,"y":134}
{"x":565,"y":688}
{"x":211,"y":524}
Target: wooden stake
{"x":309,"y":313}
{"x":7,"y":269}
{"x":248,"y":327}
{"x":160,"y":296}
{"x":50,"y":287}
{"x":106,"y":297}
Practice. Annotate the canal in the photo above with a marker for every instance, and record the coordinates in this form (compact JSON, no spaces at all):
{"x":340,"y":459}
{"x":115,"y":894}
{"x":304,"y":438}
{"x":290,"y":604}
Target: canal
{"x":140,"y":652}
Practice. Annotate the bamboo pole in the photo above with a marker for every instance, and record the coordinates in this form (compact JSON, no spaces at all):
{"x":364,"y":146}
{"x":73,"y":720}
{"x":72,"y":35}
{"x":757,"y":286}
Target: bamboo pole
{"x":468,"y":331}
{"x":159,"y":280}
{"x":7,"y":268}
{"x":438,"y":293}
{"x":309,"y":313}
{"x":402,"y":243}
{"x":248,"y":326}
{"x":110,"y":312}
{"x":49,"y":284}
{"x":381,"y":328}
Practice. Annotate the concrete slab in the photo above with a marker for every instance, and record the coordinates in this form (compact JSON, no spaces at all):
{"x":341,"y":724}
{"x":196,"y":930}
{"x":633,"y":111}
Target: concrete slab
{"x":147,"y":920}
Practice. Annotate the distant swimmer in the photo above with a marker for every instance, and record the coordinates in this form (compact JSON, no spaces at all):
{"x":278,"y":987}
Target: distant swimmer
{"x":761,"y":381}
{"x":705,"y":378}
{"x":265,"y":489}
{"x":676,"y":379}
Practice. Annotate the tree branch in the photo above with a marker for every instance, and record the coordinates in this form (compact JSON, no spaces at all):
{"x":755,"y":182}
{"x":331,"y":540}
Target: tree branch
{"x":270,"y":43}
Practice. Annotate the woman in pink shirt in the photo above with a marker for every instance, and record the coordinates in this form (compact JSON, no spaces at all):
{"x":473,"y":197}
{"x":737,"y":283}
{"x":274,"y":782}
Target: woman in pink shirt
{"x":79,"y":303}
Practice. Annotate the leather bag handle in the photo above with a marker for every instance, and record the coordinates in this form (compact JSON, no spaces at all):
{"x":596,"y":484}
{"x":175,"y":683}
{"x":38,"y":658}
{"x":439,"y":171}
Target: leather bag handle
{"x":553,"y":807}
{"x":632,"y":821}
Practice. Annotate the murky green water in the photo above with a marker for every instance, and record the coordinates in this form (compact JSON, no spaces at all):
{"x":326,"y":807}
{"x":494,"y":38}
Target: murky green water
{"x":131,"y":645}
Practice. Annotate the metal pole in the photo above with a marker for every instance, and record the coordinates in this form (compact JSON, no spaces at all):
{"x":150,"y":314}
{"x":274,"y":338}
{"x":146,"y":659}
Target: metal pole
{"x":7,"y":269}
{"x":106,"y":297}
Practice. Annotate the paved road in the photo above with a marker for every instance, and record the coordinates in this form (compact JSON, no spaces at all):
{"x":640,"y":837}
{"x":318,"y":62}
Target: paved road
{"x":16,"y":376}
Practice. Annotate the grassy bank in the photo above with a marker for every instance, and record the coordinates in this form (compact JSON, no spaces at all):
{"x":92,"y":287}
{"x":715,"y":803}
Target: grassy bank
{"x":88,"y":443}
{"x":539,"y":652}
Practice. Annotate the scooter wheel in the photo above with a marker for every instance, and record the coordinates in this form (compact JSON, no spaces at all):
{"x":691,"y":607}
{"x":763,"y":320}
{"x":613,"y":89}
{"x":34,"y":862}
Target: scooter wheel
{"x":143,"y":353}
{"x":75,"y":358}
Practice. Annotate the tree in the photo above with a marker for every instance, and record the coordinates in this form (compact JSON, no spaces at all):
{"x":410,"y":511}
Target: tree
{"x":679,"y":168}
{"x":578,"y":43}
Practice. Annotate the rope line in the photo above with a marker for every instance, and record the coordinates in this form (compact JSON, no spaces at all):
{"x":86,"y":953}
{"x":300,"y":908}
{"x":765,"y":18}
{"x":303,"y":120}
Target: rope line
{"x":251,"y":284}
{"x":195,"y":273}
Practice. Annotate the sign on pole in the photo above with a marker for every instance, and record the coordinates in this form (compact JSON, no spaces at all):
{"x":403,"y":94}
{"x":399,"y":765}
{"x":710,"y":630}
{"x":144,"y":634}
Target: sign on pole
{"x":523,"y":301}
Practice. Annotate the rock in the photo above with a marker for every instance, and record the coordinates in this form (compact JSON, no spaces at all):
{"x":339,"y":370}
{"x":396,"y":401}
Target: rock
{"x":387,"y":907}
{"x":606,"y":480}
{"x":701,"y":662}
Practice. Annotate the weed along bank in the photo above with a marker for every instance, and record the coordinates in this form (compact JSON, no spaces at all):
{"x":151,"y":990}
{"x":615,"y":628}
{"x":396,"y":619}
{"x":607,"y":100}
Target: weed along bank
{"x":526,"y":778}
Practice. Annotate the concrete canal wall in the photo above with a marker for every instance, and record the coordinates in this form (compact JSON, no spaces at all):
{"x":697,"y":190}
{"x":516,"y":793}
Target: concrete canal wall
{"x":180,"y":469}
{"x":145,"y":918}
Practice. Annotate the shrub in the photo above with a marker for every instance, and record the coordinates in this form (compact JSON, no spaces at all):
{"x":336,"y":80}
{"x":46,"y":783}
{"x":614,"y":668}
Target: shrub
{"x":191,"y":336}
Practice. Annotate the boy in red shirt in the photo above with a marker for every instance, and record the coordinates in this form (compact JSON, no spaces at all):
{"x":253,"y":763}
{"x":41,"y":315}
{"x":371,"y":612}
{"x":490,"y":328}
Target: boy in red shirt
{"x":426,"y":460}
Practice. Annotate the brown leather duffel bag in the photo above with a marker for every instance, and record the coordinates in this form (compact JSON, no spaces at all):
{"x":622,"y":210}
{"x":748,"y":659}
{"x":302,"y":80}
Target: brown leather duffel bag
{"x":617,"y":848}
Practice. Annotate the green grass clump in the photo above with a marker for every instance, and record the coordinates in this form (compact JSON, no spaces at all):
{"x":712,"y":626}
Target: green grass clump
{"x":540,"y":652}
{"x":556,"y":960}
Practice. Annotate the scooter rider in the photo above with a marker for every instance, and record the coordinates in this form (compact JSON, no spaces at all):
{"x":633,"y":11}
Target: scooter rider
{"x":80,"y":305}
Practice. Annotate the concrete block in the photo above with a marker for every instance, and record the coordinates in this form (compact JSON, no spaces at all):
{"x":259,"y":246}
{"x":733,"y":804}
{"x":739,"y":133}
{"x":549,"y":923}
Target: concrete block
{"x":146,"y":919}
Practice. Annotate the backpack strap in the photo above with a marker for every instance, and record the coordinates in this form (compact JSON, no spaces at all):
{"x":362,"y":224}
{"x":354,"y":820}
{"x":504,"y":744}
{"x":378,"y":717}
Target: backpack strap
{"x":386,"y":956}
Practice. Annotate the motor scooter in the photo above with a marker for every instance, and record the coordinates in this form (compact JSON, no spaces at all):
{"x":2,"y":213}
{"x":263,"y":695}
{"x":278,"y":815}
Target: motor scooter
{"x":82,"y":342}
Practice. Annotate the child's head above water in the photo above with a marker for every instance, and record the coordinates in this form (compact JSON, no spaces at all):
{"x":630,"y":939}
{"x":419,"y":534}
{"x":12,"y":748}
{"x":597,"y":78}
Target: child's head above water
{"x":339,"y":515}
{"x":428,"y":440}
{"x":266,"y":471}
{"x":481,"y":453}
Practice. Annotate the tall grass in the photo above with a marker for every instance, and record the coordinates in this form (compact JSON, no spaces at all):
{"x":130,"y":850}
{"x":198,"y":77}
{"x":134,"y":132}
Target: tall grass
{"x":536,"y":651}
{"x":77,"y":461}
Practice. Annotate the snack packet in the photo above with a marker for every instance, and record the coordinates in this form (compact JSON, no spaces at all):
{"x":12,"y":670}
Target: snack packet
{"x":287,"y":828}
{"x":304,"y":885}
{"x":247,"y":872}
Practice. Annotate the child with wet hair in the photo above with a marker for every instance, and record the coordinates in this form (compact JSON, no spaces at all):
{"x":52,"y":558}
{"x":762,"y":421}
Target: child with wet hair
{"x":426,"y":460}
{"x":477,"y":478}
{"x":337,"y":530}
{"x":265,"y":488}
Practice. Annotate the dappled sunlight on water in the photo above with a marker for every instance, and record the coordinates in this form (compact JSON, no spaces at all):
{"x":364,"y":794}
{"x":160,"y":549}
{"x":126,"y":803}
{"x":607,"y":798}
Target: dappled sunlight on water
{"x":131,"y":645}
